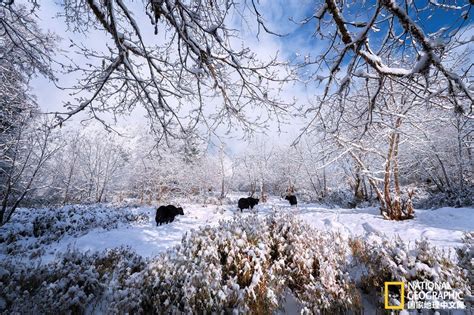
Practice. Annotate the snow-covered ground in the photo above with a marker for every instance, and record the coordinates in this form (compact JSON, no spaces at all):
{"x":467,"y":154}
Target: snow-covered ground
{"x":442,"y":227}
{"x":41,"y":239}
{"x":146,"y":239}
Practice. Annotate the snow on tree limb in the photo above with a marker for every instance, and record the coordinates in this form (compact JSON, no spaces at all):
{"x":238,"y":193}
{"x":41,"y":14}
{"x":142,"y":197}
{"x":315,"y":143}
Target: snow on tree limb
{"x":194,"y":64}
{"x":429,"y":55}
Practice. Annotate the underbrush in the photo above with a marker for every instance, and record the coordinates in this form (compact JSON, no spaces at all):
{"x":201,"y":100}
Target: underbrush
{"x":47,"y":225}
{"x":431,"y":198}
{"x":244,"y":265}
{"x":75,"y":283}
{"x":381,"y":260}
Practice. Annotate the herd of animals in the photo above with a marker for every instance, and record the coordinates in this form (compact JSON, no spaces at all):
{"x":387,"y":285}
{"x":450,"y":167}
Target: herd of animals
{"x":166,"y":214}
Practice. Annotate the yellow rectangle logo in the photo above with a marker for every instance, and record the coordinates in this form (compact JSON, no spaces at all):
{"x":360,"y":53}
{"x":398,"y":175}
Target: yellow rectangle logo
{"x":402,"y":295}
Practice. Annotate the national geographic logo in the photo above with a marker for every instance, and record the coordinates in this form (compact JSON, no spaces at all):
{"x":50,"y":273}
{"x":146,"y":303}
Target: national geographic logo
{"x":395,"y":288}
{"x":422,"y":295}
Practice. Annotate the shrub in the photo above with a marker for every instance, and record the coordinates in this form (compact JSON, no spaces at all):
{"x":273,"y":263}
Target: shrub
{"x":378,"y":260}
{"x":465,"y":255}
{"x":31,"y":229}
{"x":245,"y":265}
{"x":75,"y":283}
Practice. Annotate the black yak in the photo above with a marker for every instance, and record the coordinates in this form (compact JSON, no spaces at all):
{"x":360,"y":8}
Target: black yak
{"x":292,"y":200}
{"x":166,"y":214}
{"x":245,"y":203}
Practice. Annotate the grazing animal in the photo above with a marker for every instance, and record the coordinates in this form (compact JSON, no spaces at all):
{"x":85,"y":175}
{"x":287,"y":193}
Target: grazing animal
{"x":166,"y":214}
{"x":292,"y":200}
{"x":245,"y":203}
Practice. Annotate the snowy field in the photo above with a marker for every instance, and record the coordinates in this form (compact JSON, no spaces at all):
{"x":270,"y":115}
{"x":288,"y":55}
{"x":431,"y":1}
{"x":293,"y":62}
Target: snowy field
{"x":442,"y":227}
{"x":43,"y":265}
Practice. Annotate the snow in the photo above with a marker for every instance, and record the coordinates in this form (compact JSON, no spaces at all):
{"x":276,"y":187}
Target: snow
{"x":146,"y":239}
{"x":422,"y":64}
{"x":442,"y":227}
{"x":197,"y":71}
{"x":446,"y":6}
{"x":319,"y":14}
{"x":246,"y":240}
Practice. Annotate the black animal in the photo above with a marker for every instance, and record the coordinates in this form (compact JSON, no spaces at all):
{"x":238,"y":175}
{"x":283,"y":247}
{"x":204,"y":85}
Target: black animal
{"x":166,"y":214}
{"x":292,"y":200}
{"x":245,"y":203}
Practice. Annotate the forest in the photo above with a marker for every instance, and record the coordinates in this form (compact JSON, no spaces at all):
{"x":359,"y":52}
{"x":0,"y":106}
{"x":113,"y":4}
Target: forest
{"x":348,"y":125}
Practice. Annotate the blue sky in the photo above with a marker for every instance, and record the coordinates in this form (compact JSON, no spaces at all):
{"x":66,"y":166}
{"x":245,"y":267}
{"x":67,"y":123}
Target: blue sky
{"x":282,"y":17}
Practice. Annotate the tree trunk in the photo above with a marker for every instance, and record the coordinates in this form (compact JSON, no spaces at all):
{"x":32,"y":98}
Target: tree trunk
{"x":253,"y":188}
{"x":397,"y":207}
{"x":263,"y":192}
{"x":460,"y":162}
{"x":386,"y":206}
{"x":391,"y":209}
{"x":221,"y":158}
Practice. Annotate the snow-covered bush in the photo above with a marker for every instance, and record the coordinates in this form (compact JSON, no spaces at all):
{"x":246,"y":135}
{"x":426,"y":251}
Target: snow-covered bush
{"x":426,"y":198}
{"x":245,"y":265}
{"x":75,"y":283}
{"x":123,"y":271}
{"x":313,"y":265}
{"x":343,"y":198}
{"x":248,"y":264}
{"x":203,"y":199}
{"x":30,"y":229}
{"x":465,"y":255}
{"x":377,"y":260}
